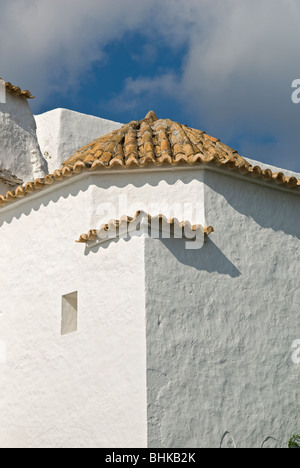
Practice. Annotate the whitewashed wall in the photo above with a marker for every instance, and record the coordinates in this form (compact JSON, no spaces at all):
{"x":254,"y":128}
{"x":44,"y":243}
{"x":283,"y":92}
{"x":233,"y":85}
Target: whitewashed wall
{"x":86,"y":389}
{"x":221,"y":322}
{"x":19,"y":149}
{"x":61,"y":132}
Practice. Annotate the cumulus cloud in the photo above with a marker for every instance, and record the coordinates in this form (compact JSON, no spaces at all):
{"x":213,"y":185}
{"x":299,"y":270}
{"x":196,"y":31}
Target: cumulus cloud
{"x":236,"y":79}
{"x":241,"y":58}
{"x":241,"y":75}
{"x":49,"y":44}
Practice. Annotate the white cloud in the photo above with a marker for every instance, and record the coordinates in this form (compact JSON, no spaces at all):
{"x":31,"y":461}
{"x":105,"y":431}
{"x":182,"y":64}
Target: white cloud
{"x":241,"y":59}
{"x":142,"y":88}
{"x":237,"y":74}
{"x":48,"y":44}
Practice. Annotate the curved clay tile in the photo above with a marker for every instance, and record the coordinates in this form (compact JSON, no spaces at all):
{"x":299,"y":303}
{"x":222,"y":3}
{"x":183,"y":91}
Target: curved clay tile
{"x":123,"y":223}
{"x":157,"y":141}
{"x":16,"y":90}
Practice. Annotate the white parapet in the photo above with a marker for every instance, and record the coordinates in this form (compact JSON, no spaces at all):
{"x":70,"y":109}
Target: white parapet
{"x":19,"y":149}
{"x":61,"y":132}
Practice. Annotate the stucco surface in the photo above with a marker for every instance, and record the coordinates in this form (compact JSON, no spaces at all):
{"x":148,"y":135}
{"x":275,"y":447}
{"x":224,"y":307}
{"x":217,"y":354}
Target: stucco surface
{"x":61,"y":132}
{"x":221,"y":322}
{"x":19,"y":149}
{"x":88,"y":388}
{"x":200,"y":339}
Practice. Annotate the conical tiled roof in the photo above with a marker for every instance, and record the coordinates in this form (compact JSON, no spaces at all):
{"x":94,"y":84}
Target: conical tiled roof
{"x":158,"y":142}
{"x":153,"y":141}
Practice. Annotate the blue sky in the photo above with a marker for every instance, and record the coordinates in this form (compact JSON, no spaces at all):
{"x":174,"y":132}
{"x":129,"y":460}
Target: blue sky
{"x":224,"y":66}
{"x":99,"y":89}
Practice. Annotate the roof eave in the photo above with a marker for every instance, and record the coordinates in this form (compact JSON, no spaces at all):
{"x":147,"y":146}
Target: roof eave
{"x":40,"y":187}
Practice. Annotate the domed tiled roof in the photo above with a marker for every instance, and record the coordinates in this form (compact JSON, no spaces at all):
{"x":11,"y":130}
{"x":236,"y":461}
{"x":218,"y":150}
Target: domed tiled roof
{"x":153,"y":142}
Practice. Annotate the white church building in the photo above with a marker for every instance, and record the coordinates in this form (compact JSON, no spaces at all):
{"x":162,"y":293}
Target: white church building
{"x":150,"y":287}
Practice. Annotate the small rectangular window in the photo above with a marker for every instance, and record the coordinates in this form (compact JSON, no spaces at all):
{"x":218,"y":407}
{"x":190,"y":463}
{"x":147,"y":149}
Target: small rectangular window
{"x":2,"y":352}
{"x":69,"y":313}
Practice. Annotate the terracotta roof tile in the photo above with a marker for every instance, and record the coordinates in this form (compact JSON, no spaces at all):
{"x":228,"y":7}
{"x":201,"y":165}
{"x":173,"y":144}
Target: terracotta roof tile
{"x":157,"y":143}
{"x":115,"y":228}
{"x":16,"y":90}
